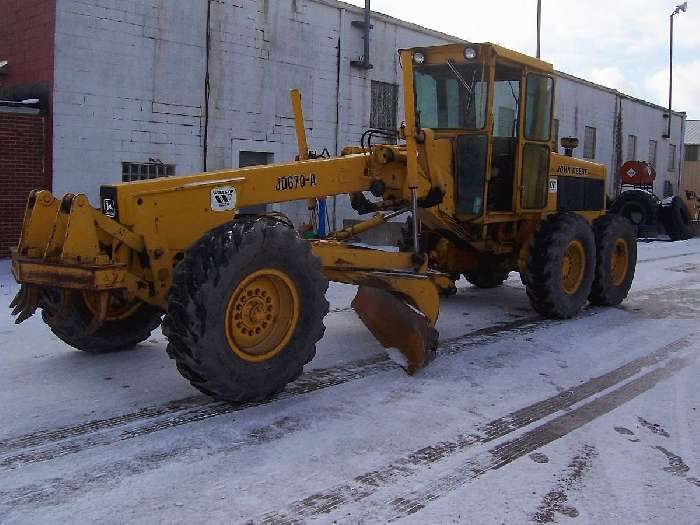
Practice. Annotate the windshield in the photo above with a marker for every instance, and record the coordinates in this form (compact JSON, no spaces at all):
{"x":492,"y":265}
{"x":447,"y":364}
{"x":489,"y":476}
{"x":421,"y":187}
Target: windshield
{"x":451,"y":96}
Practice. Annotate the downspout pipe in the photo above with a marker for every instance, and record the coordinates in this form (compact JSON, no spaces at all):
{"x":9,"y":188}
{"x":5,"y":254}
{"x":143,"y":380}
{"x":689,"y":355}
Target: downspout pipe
{"x":366,"y":26}
{"x":367,"y":29}
{"x":207,"y":89}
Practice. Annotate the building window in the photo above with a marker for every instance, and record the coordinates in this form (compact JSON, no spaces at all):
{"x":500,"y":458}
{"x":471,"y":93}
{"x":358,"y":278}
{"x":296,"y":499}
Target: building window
{"x":589,"y":141}
{"x":652,"y":153}
{"x":133,"y":171}
{"x":254,"y":158}
{"x":384,"y":102}
{"x":631,"y":147}
{"x":668,"y":189}
{"x":671,"y":157}
{"x":556,"y":135}
{"x":691,"y":153}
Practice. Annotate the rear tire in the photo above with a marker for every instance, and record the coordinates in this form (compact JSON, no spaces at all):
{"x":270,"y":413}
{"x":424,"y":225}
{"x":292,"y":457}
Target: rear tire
{"x":640,"y":207}
{"x":113,"y":336}
{"x":561,"y":266}
{"x":254,"y":357}
{"x":616,"y":260}
{"x":676,"y":219}
{"x":484,"y":278}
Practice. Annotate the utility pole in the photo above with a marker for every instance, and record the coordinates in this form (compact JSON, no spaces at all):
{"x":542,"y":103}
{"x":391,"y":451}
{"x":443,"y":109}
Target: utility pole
{"x":680,"y":8}
{"x":539,"y":26}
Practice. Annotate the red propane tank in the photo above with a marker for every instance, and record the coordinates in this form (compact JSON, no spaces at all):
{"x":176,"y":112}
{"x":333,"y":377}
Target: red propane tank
{"x":637,"y":173}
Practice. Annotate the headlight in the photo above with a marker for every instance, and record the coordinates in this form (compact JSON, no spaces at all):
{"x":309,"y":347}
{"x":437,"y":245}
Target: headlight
{"x":470,"y":53}
{"x":418,"y":58}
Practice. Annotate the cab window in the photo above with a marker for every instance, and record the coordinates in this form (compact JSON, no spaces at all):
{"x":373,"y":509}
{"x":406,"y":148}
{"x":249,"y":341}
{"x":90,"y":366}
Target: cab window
{"x":506,"y":110}
{"x":451,"y":96}
{"x":535,"y":170}
{"x":538,"y":107}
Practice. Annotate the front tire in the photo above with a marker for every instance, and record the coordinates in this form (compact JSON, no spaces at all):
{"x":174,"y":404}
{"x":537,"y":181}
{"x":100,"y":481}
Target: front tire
{"x":128,"y":323}
{"x":561,"y":266}
{"x":246,"y":310}
{"x":616,"y":260}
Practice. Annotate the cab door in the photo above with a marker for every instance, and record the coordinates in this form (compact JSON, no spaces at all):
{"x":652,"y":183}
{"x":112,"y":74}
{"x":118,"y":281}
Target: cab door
{"x":536,"y":141}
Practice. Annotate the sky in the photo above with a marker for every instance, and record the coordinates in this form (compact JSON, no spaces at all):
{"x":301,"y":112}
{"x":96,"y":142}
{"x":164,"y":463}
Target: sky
{"x":622,"y":44}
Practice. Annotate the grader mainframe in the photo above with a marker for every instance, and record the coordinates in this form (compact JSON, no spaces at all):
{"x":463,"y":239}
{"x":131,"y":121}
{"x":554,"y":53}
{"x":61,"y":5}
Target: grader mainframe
{"x":244,"y":295}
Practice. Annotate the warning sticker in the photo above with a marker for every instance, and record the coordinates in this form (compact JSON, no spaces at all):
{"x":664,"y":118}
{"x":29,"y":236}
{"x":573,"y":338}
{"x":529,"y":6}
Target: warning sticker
{"x":223,"y":199}
{"x":108,"y":208}
{"x":552,"y":185}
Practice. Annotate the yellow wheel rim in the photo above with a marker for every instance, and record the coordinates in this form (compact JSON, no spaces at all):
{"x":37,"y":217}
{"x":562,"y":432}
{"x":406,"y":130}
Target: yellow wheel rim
{"x":119,"y":306}
{"x":261,"y":315}
{"x":619,"y":262}
{"x":573,"y":267}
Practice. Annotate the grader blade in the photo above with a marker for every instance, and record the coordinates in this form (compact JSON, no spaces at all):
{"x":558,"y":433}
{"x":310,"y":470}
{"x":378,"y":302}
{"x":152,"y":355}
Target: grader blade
{"x":397,"y":324}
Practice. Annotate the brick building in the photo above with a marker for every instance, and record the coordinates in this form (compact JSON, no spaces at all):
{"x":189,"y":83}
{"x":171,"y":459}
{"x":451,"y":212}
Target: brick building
{"x":143,"y":88}
{"x":22,"y":166}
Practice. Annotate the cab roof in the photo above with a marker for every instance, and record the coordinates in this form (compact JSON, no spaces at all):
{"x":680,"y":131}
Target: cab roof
{"x":500,"y":51}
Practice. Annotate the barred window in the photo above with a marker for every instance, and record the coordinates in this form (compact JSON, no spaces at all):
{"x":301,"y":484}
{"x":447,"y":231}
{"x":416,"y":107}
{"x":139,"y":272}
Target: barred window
{"x":589,"y":143}
{"x":671,"y":157}
{"x":691,"y":153}
{"x":384,"y":102}
{"x":652,"y":153}
{"x":133,"y":171}
{"x":631,"y":147}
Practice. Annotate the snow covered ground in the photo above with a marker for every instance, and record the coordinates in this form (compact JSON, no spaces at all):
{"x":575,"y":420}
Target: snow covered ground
{"x":520,"y":419}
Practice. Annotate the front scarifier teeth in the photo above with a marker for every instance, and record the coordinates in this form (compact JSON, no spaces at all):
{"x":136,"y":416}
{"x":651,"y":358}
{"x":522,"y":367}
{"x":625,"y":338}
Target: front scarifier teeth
{"x":25,"y":303}
{"x":17,"y":300}
{"x":397,"y":324}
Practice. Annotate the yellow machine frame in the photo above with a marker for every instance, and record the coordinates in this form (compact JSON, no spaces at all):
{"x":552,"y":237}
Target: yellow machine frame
{"x":134,"y":241}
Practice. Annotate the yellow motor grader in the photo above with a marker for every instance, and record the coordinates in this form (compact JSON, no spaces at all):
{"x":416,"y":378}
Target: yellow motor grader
{"x":243,"y":295}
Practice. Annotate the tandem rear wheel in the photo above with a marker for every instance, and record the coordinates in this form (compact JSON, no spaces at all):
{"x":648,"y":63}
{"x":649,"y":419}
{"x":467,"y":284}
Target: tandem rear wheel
{"x":571,"y":263}
{"x":246,"y":310}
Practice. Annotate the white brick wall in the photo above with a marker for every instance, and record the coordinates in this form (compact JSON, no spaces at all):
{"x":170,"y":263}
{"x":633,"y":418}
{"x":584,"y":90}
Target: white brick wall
{"x":129,"y":86}
{"x":580,"y":104}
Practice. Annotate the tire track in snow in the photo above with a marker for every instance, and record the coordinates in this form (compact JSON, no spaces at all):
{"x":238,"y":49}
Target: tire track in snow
{"x":367,"y":484}
{"x":504,"y":454}
{"x":62,"y":441}
{"x":555,"y":501}
{"x":666,"y":257}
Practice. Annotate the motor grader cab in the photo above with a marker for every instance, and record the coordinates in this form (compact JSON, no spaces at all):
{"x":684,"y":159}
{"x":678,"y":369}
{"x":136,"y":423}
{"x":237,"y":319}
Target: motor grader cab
{"x":244,"y":295}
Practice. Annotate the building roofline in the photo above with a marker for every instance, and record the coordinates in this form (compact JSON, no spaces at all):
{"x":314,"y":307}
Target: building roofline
{"x":392,"y":20}
{"x":439,"y":34}
{"x":613,"y":91}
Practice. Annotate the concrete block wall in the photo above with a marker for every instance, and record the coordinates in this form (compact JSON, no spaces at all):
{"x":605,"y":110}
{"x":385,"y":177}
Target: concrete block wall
{"x":130,"y":86}
{"x":130,"y":79}
{"x":580,"y":104}
{"x":263,"y":49}
{"x":650,"y":123}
